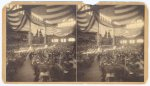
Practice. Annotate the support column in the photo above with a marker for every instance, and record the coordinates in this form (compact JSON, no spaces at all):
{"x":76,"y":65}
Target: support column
{"x":98,"y":35}
{"x":45,"y":42}
{"x":29,"y":32}
{"x":113,"y":36}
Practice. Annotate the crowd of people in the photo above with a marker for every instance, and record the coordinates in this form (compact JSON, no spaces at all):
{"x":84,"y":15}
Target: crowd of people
{"x":55,"y":63}
{"x":125,"y":64}
{"x":14,"y":61}
{"x":119,"y":63}
{"x":59,"y":62}
{"x":52,"y":65}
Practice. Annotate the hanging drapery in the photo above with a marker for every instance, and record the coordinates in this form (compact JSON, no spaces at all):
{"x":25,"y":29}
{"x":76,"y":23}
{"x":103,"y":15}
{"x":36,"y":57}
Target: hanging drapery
{"x":58,"y":13}
{"x":55,"y":16}
{"x":123,"y":18}
{"x":125,"y":14}
{"x":87,"y":15}
{"x":85,"y":18}
{"x":131,"y":17}
{"x":16,"y":18}
{"x":58,"y":19}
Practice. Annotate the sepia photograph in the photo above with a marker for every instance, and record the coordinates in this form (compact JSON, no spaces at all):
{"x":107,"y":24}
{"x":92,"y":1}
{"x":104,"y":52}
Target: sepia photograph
{"x":41,"y":43}
{"x":70,"y":42}
{"x":110,"y":43}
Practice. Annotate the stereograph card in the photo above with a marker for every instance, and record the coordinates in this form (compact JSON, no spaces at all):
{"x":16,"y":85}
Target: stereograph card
{"x":73,"y":42}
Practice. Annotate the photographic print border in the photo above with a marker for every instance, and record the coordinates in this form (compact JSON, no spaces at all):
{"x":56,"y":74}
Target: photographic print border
{"x":75,"y":3}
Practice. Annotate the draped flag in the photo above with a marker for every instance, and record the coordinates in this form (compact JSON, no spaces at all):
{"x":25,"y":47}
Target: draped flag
{"x":85,"y":18}
{"x":126,"y":17}
{"x":122,"y":18}
{"x":131,"y":16}
{"x":58,"y":13}
{"x":58,"y":19}
{"x":16,"y":17}
{"x":51,"y":15}
{"x":124,"y":14}
{"x":41,"y":15}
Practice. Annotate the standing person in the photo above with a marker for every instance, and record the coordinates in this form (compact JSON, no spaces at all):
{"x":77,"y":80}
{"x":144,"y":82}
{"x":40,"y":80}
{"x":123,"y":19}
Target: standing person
{"x":98,"y":57}
{"x":102,"y":70}
{"x":68,"y":69}
{"x":31,"y":55}
{"x":44,"y":75}
{"x":37,"y":73}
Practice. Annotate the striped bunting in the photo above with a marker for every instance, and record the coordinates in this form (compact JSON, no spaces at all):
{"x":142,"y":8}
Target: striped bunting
{"x":85,"y":21}
{"x":16,"y":18}
{"x":58,"y":13}
{"x":51,"y":15}
{"x":37,"y":21}
{"x":124,"y":14}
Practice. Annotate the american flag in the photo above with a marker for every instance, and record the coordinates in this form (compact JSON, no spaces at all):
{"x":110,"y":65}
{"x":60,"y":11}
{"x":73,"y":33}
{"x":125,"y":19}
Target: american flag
{"x":52,"y":14}
{"x":16,"y":17}
{"x":85,"y":18}
{"x":48,"y":16}
{"x":125,"y":14}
